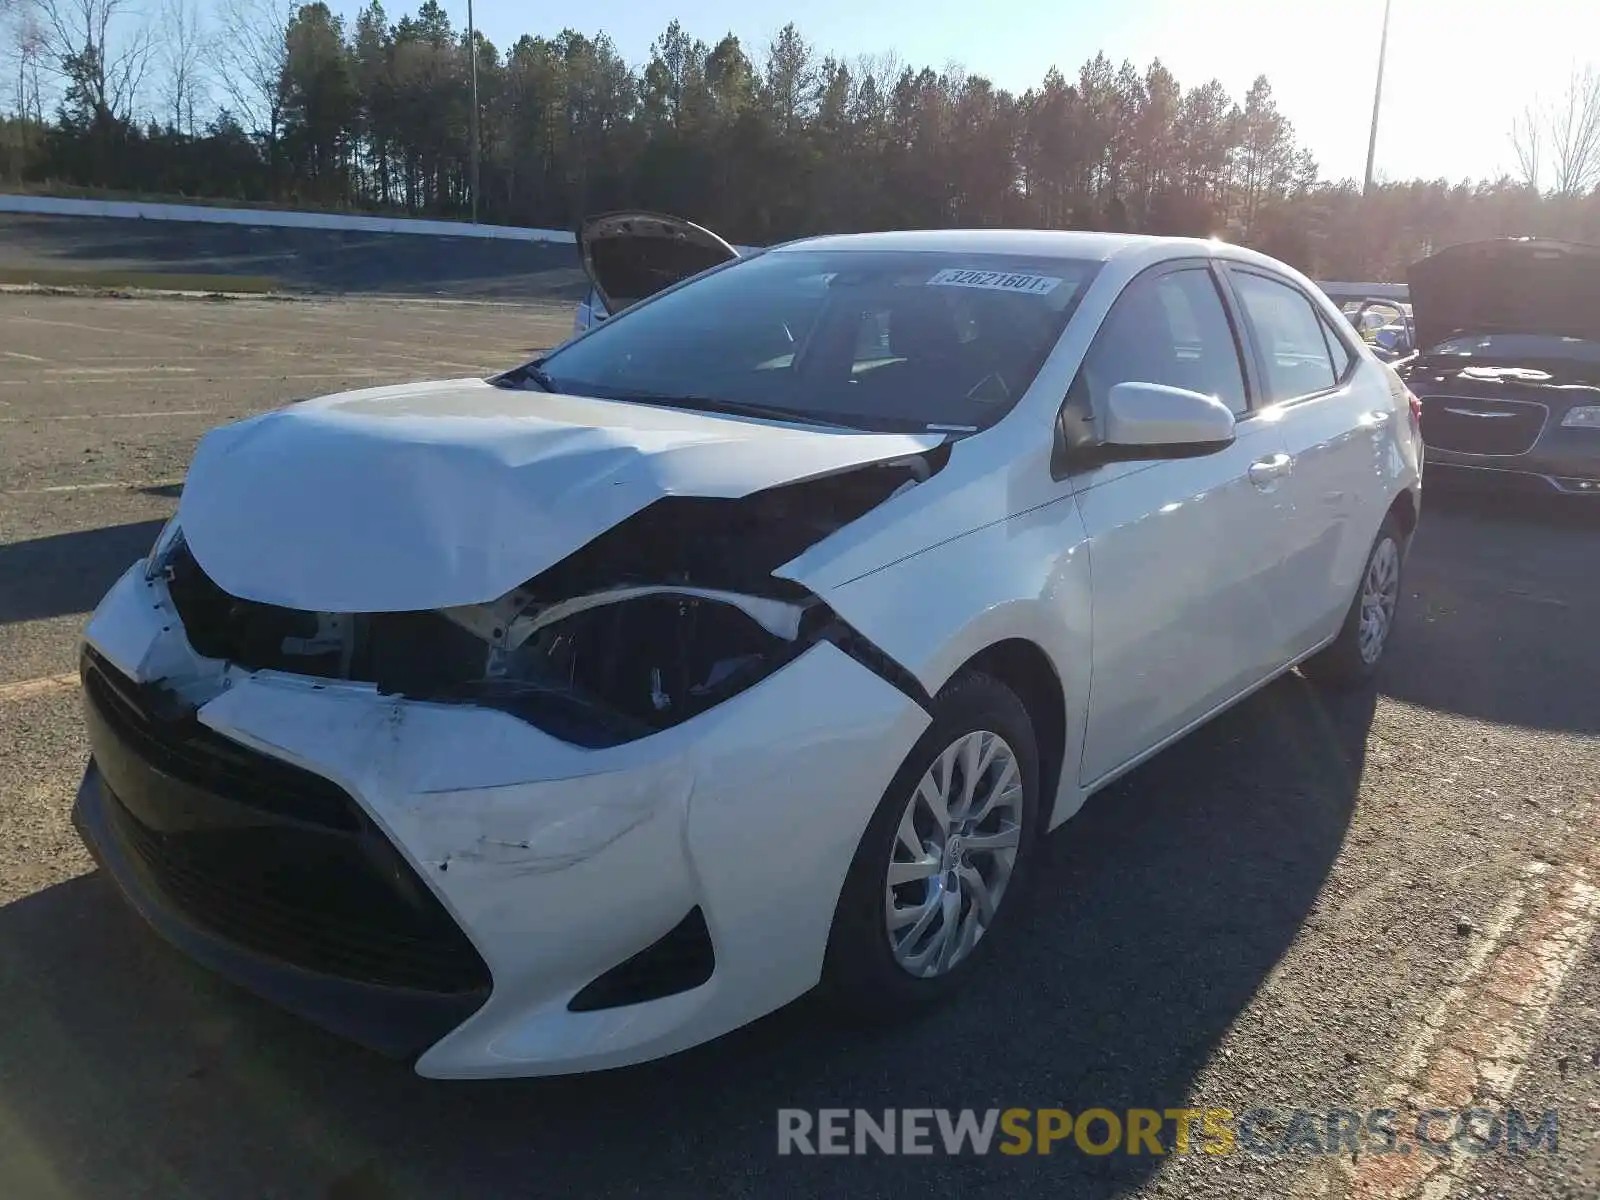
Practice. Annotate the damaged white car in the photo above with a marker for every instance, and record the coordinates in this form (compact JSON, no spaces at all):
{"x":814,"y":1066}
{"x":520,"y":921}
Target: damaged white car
{"x":746,"y":643}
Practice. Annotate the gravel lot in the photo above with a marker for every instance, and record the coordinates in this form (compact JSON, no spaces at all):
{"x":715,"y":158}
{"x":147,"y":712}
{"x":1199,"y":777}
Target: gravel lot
{"x":1313,"y":903}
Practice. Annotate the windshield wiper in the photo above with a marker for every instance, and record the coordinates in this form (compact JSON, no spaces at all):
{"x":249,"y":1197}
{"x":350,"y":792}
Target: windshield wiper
{"x":530,"y":373}
{"x":736,"y":408}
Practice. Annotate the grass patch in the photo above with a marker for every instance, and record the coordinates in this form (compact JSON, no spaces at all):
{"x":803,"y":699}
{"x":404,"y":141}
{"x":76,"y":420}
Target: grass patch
{"x":154,"y":281}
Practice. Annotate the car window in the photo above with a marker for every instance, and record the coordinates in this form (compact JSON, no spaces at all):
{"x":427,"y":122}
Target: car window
{"x":1170,"y":329}
{"x":875,"y":339}
{"x":1289,"y":332}
{"x":1337,"y":347}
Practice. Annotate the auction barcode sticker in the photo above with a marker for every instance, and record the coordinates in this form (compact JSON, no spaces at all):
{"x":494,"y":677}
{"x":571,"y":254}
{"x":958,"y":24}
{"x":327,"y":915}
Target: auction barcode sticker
{"x":999,"y":281}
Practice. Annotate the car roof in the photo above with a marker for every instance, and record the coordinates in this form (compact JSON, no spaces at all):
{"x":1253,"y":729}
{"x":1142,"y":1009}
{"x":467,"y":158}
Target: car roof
{"x":1051,"y":243}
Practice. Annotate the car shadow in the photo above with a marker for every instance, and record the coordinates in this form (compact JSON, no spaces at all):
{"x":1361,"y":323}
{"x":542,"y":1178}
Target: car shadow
{"x":66,"y":573}
{"x":1503,"y":598}
{"x":1162,"y":908}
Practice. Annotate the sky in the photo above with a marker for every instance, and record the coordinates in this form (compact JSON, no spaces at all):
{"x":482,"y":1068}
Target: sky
{"x":1458,"y":73}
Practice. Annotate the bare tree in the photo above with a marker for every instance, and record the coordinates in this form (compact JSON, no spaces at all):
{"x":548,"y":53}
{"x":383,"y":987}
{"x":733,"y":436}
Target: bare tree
{"x":25,"y":57}
{"x":1527,"y":141}
{"x":252,"y":53}
{"x":1575,"y":134}
{"x":1563,"y":135}
{"x":100,"y":49}
{"x":183,"y":46}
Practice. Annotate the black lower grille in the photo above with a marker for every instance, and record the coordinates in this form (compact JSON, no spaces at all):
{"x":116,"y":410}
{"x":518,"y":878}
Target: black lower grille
{"x":311,"y":907}
{"x":228,"y":838}
{"x":177,"y":745}
{"x":1474,"y":426}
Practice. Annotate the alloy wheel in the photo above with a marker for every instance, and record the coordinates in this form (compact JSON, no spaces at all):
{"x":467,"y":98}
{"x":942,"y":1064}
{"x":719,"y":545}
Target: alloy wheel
{"x":1379,"y":593}
{"x":953,"y":855}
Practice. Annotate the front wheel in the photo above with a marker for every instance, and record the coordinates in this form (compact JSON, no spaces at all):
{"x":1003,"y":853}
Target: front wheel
{"x":1352,"y":658}
{"x":945,"y":858}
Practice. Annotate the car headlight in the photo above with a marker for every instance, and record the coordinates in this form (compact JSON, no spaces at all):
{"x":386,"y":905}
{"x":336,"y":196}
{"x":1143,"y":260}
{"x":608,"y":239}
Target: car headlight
{"x":166,"y":545}
{"x":1585,"y":416}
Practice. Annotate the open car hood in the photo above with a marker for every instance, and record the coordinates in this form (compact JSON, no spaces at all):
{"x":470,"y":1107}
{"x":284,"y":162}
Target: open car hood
{"x":1509,"y":285}
{"x":631,"y":256}
{"x":436,"y":495}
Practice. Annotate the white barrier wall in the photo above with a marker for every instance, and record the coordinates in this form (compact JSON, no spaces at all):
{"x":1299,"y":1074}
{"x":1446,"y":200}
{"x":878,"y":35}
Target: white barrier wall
{"x":138,"y":211}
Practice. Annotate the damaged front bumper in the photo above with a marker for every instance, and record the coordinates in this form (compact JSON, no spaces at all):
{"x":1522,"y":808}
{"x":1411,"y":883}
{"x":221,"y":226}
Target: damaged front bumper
{"x":447,"y":880}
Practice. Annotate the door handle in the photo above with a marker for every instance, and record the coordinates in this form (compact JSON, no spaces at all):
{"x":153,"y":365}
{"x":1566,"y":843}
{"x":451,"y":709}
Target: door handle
{"x":1264,"y":472}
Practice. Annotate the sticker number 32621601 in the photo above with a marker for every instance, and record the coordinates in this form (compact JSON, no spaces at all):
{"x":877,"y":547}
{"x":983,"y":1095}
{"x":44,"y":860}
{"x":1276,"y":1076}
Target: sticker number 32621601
{"x":999,"y":281}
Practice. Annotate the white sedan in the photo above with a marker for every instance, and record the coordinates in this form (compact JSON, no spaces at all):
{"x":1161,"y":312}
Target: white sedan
{"x":749,"y":642}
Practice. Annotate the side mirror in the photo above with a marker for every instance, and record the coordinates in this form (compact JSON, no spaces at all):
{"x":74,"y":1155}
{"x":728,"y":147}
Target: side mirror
{"x":1152,"y":420}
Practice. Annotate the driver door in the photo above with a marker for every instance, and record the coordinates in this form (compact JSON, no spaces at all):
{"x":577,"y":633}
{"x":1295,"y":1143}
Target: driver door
{"x":1183,"y":552}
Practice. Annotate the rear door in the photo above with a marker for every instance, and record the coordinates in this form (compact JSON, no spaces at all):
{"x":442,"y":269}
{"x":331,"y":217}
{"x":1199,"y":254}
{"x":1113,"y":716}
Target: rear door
{"x":630,"y":256}
{"x":1182,"y":551}
{"x":1332,"y":409}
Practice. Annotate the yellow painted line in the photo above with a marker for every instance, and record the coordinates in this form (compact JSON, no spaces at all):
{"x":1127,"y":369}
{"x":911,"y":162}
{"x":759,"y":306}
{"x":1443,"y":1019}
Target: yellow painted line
{"x":26,"y":689}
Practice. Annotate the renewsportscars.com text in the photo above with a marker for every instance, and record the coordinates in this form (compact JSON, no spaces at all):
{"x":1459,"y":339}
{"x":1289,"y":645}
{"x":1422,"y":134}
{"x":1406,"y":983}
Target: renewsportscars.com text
{"x":1261,"y":1132}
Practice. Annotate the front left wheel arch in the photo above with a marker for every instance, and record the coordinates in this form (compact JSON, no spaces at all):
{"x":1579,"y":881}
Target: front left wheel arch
{"x":1025,"y":668}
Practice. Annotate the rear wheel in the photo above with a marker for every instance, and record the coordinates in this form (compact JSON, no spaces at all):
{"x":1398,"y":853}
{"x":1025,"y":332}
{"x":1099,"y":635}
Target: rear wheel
{"x":1353,"y":657}
{"x":944,"y":861}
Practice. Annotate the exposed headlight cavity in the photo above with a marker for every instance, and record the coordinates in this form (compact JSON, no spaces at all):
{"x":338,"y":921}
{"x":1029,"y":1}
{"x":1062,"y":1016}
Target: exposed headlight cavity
{"x":659,"y":619}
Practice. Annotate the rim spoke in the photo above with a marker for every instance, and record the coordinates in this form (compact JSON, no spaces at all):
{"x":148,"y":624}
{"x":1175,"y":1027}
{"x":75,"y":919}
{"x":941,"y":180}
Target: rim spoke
{"x":932,"y":795}
{"x":949,"y":922}
{"x":919,"y":918}
{"x":1001,"y":839}
{"x":977,"y":889}
{"x":906,"y":837}
{"x":1007,"y":785}
{"x":910,"y":872}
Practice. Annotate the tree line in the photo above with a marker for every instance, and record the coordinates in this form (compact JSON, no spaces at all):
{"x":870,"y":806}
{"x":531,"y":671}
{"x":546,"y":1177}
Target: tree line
{"x":270,"y":101}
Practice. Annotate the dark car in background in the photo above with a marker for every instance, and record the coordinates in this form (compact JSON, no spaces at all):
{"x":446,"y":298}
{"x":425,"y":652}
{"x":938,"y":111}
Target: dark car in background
{"x":1508,"y":362}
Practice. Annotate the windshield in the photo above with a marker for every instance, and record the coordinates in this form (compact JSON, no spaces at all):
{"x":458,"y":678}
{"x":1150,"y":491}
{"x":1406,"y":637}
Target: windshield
{"x":890,"y":340}
{"x":1520,"y":345}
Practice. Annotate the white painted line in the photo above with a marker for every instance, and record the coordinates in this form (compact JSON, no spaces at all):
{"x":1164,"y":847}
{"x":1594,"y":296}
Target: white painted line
{"x":27,"y":688}
{"x":122,"y":370}
{"x":79,"y":327}
{"x":128,"y":416}
{"x":24,"y":357}
{"x":92,"y":487}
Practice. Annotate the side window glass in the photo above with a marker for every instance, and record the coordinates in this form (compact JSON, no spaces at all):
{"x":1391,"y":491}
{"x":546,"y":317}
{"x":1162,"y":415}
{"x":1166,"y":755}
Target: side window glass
{"x":1172,"y":330}
{"x":1337,"y":347}
{"x":1289,"y":333}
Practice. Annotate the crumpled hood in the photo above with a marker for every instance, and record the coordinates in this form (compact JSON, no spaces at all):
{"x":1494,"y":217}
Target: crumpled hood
{"x":442,"y":494}
{"x":1507,"y":285}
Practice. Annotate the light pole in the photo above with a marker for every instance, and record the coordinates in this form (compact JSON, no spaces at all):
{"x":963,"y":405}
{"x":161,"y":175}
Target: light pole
{"x":1377,"y":98}
{"x":472,"y":53}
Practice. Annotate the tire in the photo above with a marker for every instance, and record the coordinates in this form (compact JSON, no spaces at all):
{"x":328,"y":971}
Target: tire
{"x":862,"y":977}
{"x":1350,"y":660}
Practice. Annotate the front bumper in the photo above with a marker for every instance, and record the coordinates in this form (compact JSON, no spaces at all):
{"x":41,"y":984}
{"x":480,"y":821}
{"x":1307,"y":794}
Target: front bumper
{"x":1560,"y":460}
{"x":554,"y":864}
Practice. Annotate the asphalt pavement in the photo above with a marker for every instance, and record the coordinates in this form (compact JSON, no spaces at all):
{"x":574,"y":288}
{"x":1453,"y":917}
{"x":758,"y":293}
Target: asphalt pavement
{"x":1316,"y":902}
{"x":315,"y":261}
